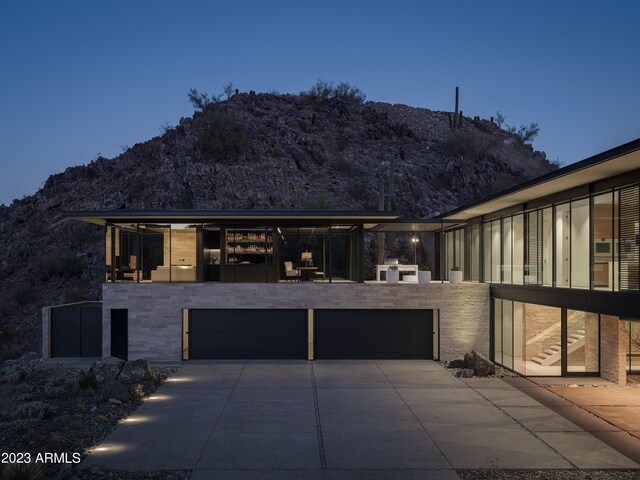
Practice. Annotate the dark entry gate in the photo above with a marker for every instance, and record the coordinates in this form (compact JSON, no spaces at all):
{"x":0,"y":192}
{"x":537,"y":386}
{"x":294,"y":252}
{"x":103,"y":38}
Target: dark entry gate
{"x":373,"y":334}
{"x":76,"y":330}
{"x":250,"y":334}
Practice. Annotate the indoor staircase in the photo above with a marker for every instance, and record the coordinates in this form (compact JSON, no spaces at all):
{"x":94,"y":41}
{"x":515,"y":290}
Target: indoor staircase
{"x":552,"y":354}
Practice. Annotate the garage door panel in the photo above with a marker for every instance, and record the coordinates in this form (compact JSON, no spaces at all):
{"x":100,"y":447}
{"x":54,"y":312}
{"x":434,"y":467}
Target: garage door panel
{"x":252,"y":334}
{"x":373,"y":334}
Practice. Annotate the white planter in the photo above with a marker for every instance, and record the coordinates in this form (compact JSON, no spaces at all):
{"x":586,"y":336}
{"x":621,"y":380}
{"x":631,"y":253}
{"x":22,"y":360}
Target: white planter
{"x":455,"y":276}
{"x":393,"y":276}
{"x":424,"y":276}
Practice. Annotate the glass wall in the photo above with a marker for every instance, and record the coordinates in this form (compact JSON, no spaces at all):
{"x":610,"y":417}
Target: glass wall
{"x":518,"y":250}
{"x":562,"y":245}
{"x":153,"y":240}
{"x":633,"y":351}
{"x":507,"y":246}
{"x":584,"y":243}
{"x":528,"y":339}
{"x":547,"y":247}
{"x":496,"y":247}
{"x":474,"y":252}
{"x":583,"y":340}
{"x":580,"y":243}
{"x":604,"y":242}
{"x":486,"y":239}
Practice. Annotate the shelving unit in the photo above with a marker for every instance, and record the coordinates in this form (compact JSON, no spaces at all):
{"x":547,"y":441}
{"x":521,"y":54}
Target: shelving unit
{"x":248,"y":247}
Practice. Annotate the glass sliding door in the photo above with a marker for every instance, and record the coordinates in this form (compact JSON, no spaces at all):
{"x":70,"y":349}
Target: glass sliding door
{"x":519,"y":341}
{"x":633,"y":351}
{"x":507,"y":333}
{"x":562,"y":245}
{"x":497,"y":330}
{"x":583,"y":339}
{"x":156,"y":251}
{"x":580,"y":233}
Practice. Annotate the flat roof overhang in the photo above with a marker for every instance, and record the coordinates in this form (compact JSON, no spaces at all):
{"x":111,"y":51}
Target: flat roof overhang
{"x":614,"y":162}
{"x":373,"y":221}
{"x":102,"y":217}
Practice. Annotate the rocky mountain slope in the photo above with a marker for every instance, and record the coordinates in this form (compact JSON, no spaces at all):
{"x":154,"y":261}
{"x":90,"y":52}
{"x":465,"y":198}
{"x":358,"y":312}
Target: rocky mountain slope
{"x":251,"y":151}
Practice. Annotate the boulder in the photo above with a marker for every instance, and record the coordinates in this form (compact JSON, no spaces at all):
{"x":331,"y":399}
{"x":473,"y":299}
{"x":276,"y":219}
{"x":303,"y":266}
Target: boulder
{"x":470,"y":360}
{"x":465,"y":373}
{"x":106,"y":369}
{"x":482,"y":366}
{"x":136,"y":371}
{"x":114,"y":389}
{"x":457,"y":363}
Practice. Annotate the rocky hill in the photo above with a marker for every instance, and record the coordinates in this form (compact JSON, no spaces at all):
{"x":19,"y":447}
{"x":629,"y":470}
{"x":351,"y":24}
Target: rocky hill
{"x":251,"y":151}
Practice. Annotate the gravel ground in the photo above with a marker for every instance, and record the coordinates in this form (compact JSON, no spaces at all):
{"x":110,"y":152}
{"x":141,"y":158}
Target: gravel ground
{"x":46,"y":407}
{"x":548,"y":475}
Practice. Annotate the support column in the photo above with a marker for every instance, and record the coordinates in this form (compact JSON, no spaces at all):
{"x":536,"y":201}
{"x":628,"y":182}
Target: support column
{"x":613,"y":351}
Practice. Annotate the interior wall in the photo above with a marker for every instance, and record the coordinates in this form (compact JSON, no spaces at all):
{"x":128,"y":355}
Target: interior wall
{"x":180,"y":248}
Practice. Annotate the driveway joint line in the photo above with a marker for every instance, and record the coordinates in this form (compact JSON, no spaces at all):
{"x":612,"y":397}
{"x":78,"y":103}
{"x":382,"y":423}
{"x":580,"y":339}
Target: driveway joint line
{"x":417,"y":419}
{"x":323,"y":457}
{"x":226,"y":403}
{"x":522,"y":424}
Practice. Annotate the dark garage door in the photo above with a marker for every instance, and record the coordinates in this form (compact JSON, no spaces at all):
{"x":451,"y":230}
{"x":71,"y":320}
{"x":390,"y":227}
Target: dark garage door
{"x":373,"y":334}
{"x":253,"y":334}
{"x":76,"y":331}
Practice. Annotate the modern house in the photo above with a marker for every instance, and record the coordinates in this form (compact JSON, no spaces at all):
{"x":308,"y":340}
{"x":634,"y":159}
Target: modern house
{"x":550,"y":271}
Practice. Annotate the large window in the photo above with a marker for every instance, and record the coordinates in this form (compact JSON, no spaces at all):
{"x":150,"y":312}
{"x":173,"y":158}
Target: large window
{"x":580,"y":243}
{"x":507,"y":246}
{"x":583,"y":340}
{"x":633,"y":351}
{"x":518,"y":250}
{"x":604,"y":242}
{"x":562,"y":245}
{"x":496,"y":261}
{"x":528,"y":339}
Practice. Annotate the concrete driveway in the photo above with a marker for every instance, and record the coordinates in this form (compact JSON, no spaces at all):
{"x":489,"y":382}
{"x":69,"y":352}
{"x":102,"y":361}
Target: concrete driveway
{"x":344,"y":420}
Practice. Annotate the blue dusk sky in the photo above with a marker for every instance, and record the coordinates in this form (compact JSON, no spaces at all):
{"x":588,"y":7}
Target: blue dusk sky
{"x":86,"y":77}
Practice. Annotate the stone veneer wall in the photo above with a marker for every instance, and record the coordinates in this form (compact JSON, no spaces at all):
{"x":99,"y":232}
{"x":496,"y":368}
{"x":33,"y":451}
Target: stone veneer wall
{"x":155,"y":309}
{"x":613,"y":349}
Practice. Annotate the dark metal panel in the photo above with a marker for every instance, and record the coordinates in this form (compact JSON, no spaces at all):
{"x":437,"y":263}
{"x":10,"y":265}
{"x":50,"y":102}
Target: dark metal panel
{"x":250,"y":333}
{"x":65,"y":332}
{"x":373,"y":334}
{"x":120,"y":333}
{"x":91,"y":332}
{"x":621,"y":304}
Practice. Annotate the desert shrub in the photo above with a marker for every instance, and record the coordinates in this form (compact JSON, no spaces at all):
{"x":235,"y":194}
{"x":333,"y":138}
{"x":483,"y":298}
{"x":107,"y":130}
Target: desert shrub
{"x":63,"y":264}
{"x":225,"y":137}
{"x":323,"y":90}
{"x":342,"y":164}
{"x":87,"y":381}
{"x":22,"y":471}
{"x":349,"y":93}
{"x":467,"y":144}
{"x":200,"y":101}
{"x":525,"y":134}
{"x":35,"y":410}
